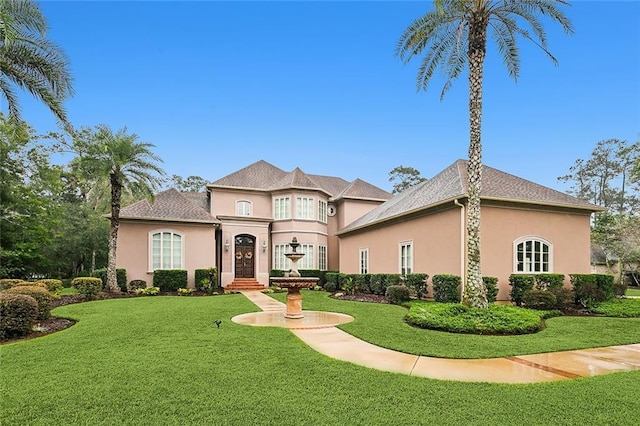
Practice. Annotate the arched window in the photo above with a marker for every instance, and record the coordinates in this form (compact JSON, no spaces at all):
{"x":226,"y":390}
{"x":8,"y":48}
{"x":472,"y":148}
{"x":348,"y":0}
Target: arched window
{"x":532,"y":255}
{"x":167,"y":250}
{"x":243,"y":208}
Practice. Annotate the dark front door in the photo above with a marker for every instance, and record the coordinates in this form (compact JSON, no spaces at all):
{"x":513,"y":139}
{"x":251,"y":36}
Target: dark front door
{"x":244,"y":250}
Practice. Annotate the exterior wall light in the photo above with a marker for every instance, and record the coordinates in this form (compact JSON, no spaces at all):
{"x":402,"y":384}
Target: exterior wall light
{"x":226,"y":245}
{"x":264,"y":246}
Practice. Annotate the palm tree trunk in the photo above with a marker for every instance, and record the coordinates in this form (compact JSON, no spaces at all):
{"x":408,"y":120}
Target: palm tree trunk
{"x":116,"y":193}
{"x":475,"y":293}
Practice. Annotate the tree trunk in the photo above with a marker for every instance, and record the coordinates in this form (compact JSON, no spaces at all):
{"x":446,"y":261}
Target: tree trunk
{"x":116,"y":192}
{"x":474,"y":291}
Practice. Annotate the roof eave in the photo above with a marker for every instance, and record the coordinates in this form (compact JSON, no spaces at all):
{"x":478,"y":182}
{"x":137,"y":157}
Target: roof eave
{"x":171,"y":219}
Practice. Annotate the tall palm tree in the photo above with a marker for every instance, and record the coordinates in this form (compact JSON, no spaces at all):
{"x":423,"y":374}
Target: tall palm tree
{"x":454,"y":36}
{"x":29,"y":61}
{"x":125,"y":165}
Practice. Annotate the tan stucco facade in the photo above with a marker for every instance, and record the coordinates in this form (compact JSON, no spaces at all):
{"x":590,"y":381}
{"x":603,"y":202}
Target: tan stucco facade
{"x":438,"y":241}
{"x":133,"y":251}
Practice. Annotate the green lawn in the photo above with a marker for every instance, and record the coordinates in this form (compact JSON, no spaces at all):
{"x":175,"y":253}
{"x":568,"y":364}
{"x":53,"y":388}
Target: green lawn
{"x":160,"y":360}
{"x":383,"y":325}
{"x":68,"y":291}
{"x":633,"y":291}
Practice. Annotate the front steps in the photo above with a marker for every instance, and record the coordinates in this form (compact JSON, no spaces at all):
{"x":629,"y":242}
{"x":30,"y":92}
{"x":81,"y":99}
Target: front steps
{"x":244,"y":284}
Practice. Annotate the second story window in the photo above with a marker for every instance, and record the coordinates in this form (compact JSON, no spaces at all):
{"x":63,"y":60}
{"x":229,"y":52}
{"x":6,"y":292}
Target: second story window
{"x":322,"y":211}
{"x":305,"y":208}
{"x":281,"y":208}
{"x":243,"y":208}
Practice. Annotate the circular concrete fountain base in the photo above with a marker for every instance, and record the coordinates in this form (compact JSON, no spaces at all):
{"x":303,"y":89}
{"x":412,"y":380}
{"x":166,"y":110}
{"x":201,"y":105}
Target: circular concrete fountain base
{"x":311,"y":319}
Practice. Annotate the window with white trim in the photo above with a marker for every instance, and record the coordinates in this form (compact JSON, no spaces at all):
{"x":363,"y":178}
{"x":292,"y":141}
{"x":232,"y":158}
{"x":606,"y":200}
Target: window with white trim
{"x":406,"y":257}
{"x":322,"y":258}
{"x":243,"y":208}
{"x":307,"y":262}
{"x":364,"y":260}
{"x":322,"y":211}
{"x":281,"y":208}
{"x":166,"y":250}
{"x":532,"y":255}
{"x":305,"y":208}
{"x":279,"y":260}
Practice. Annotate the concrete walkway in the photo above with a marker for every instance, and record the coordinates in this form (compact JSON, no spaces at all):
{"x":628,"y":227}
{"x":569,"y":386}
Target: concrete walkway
{"x":325,"y":338}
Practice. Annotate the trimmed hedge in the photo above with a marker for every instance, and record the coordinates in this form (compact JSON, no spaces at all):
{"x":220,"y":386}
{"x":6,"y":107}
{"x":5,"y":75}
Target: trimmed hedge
{"x":590,"y":289}
{"x":548,"y":281}
{"x":137,"y":284}
{"x":6,"y":283}
{"x":54,"y":286}
{"x":417,"y":284}
{"x":121,"y":277}
{"x":205,"y":282}
{"x":491,"y":284}
{"x":363,"y":282}
{"x":89,"y":286}
{"x":41,"y":295}
{"x":18,"y":312}
{"x":520,"y":284}
{"x":445,"y":288}
{"x":169,"y":279}
{"x":540,"y":299}
{"x":331,"y":283}
{"x":398,"y":294}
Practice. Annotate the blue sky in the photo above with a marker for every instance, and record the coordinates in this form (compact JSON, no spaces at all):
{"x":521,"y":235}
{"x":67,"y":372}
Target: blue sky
{"x":217,"y":86}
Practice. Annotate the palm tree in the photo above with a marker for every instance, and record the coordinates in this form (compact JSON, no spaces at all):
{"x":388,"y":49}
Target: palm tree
{"x":31,"y":62}
{"x":125,"y":165}
{"x":453,"y":36}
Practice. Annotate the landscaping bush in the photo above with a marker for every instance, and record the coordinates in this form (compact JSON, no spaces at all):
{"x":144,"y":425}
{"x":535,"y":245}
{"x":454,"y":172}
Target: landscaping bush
{"x":623,"y":308}
{"x":90,"y":287}
{"x":185,"y":291}
{"x":591,"y":289}
{"x":41,"y":295}
{"x":520,"y":284}
{"x":31,"y":284}
{"x":362,"y":283}
{"x":169,"y":279}
{"x":331,"y":284}
{"x":548,"y":281}
{"x":54,"y":286}
{"x":347,"y":283}
{"x":206,"y":280}
{"x":136,"y":284}
{"x":6,"y":283}
{"x":378,"y":283}
{"x":619,"y":289}
{"x":445,"y":288}
{"x":149,"y":291}
{"x":417,"y":284}
{"x":539,"y":299}
{"x":491,"y":285}
{"x":121,"y":277}
{"x":458,"y":318}
{"x":398,"y":294}
{"x":394,"y":279}
{"x":18,"y":312}
{"x":564,"y":296}
{"x":277,"y":273}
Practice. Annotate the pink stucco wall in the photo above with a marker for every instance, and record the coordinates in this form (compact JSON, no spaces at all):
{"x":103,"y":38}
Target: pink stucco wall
{"x":133,"y":251}
{"x":437,"y":244}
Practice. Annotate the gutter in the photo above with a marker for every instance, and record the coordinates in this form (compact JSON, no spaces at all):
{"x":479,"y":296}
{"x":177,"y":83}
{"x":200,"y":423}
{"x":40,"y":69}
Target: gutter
{"x":463,"y":252}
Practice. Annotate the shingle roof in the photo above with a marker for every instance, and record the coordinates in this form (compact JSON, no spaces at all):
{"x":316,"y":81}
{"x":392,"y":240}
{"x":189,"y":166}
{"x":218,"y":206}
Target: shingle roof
{"x":451,"y":183}
{"x":267,"y":177}
{"x":199,"y":198}
{"x":168,"y":205}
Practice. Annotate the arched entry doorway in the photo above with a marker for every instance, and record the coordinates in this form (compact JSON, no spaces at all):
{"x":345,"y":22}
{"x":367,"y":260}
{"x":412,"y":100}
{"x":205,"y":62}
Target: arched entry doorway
{"x":244,"y":249}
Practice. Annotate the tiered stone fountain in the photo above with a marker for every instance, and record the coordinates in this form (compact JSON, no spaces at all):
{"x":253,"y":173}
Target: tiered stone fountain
{"x":294,"y":283}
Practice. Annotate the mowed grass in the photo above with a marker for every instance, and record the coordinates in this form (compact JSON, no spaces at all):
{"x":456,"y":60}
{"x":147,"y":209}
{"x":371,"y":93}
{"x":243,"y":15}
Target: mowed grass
{"x":383,"y":325}
{"x":162,"y":361}
{"x":633,"y":291}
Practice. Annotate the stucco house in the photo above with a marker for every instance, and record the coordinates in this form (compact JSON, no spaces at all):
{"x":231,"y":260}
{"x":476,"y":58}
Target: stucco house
{"x":244,"y":221}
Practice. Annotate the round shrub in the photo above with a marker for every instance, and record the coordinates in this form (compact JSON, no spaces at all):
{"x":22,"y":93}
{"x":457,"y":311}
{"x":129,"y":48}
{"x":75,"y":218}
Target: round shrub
{"x":54,"y":286}
{"x":41,"y":295}
{"x":89,"y":286}
{"x":520,"y":284}
{"x":6,"y":283}
{"x":31,"y":284}
{"x":398,"y":294}
{"x":136,"y":284}
{"x":17,"y":314}
{"x":540,"y":299}
{"x":330,"y":286}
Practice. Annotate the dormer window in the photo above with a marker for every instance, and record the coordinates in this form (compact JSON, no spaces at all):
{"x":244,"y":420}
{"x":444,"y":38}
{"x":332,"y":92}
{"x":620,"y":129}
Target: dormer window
{"x":243,"y":208}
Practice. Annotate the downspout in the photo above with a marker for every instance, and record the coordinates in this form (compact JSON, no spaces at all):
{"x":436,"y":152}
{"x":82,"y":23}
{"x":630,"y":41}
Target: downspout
{"x":463,"y":252}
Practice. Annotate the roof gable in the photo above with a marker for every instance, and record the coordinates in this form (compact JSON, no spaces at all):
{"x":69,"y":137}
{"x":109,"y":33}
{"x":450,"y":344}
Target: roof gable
{"x":169,"y":205}
{"x":296,"y":179}
{"x":363,"y":190}
{"x":259,"y":175}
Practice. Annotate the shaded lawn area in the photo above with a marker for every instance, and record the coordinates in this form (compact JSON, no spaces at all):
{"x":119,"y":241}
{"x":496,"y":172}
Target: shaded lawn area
{"x":633,"y":291}
{"x":160,"y":360}
{"x":383,"y":325}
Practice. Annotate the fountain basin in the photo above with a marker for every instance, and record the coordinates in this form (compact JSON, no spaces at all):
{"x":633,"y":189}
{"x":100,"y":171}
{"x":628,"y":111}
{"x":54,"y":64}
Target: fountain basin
{"x":294,"y":298}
